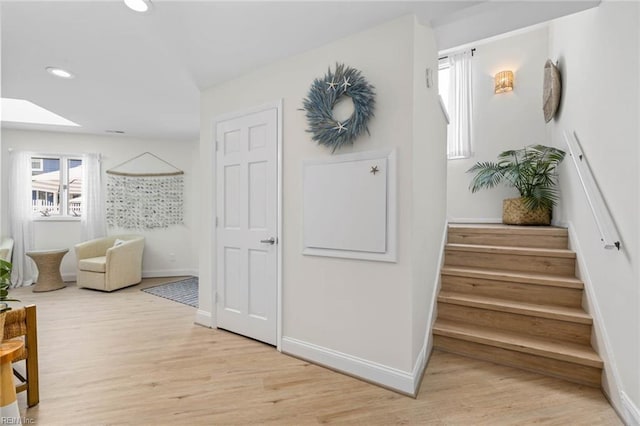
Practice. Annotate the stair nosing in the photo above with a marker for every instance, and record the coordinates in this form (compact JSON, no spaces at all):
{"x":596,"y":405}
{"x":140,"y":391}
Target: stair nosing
{"x":514,"y":250}
{"x":502,"y":229}
{"x":533,"y":278}
{"x":509,"y":341}
{"x":502,"y":305}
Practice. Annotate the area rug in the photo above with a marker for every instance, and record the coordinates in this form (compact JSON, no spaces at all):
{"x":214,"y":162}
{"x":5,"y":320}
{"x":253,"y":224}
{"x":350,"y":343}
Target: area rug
{"x":183,"y":291}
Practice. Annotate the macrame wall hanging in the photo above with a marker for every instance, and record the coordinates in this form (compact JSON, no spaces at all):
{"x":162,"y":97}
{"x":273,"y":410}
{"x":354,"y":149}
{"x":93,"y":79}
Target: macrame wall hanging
{"x":145,"y":192}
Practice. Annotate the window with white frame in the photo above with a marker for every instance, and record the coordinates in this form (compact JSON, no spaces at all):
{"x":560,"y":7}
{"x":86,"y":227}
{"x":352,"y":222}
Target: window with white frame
{"x":37,"y":164}
{"x":455,"y":88}
{"x":56,"y":186}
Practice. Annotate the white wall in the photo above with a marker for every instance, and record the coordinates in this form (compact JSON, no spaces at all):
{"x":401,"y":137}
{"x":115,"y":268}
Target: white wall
{"x":598,"y":54}
{"x":490,"y":18}
{"x":506,"y":121}
{"x":429,"y":190}
{"x":177,"y":239}
{"x":359,"y":312}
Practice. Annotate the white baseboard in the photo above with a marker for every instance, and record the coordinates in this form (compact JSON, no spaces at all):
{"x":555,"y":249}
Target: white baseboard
{"x":431,"y":316}
{"x":611,"y":381}
{"x":392,"y":378}
{"x":169,"y":273}
{"x":631,"y":409}
{"x":474,"y":220}
{"x":204,"y":318}
{"x":421,"y":364}
{"x":68,"y":277}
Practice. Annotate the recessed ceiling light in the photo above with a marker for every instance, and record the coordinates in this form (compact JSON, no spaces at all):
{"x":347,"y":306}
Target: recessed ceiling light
{"x":138,"y":5}
{"x":59,"y":72}
{"x":23,"y":111}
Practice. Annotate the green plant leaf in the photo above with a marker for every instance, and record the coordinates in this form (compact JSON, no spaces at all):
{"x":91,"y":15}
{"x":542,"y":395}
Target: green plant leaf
{"x":532,"y":170}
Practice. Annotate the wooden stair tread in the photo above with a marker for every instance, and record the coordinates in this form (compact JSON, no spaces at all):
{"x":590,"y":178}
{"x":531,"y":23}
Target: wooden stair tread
{"x":561,"y":313}
{"x":521,"y":251}
{"x":507,"y":229}
{"x":570,"y":352}
{"x":513,"y":276}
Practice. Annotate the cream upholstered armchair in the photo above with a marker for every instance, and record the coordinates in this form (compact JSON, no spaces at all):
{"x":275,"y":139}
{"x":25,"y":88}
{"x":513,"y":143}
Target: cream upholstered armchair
{"x":110,"y":263}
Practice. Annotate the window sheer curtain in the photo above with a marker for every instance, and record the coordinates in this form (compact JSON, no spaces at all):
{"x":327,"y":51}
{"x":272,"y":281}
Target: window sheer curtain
{"x":93,"y":217}
{"x":21,"y":218}
{"x":460,"y":105}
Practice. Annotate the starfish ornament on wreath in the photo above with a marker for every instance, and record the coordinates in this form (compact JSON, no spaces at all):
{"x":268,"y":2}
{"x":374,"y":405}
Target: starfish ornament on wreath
{"x":322,"y":97}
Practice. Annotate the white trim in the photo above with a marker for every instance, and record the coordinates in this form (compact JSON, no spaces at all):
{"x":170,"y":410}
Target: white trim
{"x":419,"y":367}
{"x":390,"y":255}
{"x":37,"y":217}
{"x":443,"y":109}
{"x":611,"y":382}
{"x":158,"y":273}
{"x":280,"y":226}
{"x":389,"y":377}
{"x":474,"y":220}
{"x":278,"y":106}
{"x":204,"y":318}
{"x":169,"y":273}
{"x":213,"y":207}
{"x":431,"y":317}
{"x":631,"y":409}
{"x":69,"y":277}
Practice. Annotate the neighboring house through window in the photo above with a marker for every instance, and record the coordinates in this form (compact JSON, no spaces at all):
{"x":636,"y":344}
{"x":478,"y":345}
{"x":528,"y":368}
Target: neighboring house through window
{"x":56,"y":183}
{"x":455,"y":87}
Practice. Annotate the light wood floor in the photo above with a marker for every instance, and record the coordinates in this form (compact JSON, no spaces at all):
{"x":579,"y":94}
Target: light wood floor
{"x":130,"y":358}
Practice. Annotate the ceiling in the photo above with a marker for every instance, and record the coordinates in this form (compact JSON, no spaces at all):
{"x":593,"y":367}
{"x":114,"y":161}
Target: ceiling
{"x":142,"y":73}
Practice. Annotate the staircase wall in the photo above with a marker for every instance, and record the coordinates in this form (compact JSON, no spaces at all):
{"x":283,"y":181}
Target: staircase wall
{"x":606,"y":122}
{"x":502,"y":121}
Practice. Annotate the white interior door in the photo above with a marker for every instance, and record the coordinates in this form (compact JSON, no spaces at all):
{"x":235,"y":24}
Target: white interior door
{"x":246,"y":159}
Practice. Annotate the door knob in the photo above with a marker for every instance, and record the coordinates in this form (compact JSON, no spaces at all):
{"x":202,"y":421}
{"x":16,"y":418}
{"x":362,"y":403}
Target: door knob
{"x":269,"y":241}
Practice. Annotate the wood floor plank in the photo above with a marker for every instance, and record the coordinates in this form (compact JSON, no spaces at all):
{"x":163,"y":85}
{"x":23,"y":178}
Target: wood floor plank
{"x":131,"y":358}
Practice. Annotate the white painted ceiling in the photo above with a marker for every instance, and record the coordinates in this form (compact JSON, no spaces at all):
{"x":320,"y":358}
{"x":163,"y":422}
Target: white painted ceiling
{"x":142,"y":73}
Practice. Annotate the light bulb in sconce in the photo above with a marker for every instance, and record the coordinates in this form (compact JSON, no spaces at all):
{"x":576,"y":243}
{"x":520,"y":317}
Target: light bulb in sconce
{"x":504,"y":82}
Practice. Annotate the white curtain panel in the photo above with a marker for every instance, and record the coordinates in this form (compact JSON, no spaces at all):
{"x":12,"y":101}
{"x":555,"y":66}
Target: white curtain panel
{"x":93,"y":223}
{"x":21,"y":218}
{"x":460,"y":105}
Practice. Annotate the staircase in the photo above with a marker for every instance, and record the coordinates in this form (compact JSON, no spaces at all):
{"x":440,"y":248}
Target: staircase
{"x":509,"y":295}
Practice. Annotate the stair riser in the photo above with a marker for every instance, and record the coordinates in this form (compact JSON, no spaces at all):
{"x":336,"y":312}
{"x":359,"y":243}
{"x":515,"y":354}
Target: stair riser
{"x":577,"y":373}
{"x":529,"y":293}
{"x":504,"y":239}
{"x":511,"y":262}
{"x":524,"y":324}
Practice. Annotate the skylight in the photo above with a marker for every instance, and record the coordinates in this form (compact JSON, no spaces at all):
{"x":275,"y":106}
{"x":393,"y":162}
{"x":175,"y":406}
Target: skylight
{"x":23,"y":111}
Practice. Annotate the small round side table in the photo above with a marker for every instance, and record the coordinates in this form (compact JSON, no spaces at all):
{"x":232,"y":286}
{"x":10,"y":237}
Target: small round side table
{"x":48,"y":263}
{"x":9,"y":410}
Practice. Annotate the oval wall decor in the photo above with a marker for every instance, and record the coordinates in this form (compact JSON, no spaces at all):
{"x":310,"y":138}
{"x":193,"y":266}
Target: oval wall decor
{"x":325,"y":93}
{"x":551,"y":90}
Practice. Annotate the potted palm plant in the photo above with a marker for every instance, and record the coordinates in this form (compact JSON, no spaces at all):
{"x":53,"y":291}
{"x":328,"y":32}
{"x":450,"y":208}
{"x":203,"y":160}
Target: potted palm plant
{"x":5,"y":282}
{"x":532,"y":170}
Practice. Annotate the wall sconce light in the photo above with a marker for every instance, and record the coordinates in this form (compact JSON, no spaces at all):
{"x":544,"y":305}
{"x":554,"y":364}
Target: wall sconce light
{"x":504,"y":82}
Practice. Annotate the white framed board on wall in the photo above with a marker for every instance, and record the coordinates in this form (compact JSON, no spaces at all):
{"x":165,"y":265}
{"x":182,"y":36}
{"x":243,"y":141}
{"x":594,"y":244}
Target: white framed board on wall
{"x":349,"y":206}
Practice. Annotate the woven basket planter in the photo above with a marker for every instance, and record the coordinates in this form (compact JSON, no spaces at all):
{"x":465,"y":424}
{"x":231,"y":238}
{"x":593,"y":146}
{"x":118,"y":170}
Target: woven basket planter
{"x":3,"y":316}
{"x":514,"y":212}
